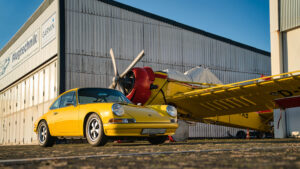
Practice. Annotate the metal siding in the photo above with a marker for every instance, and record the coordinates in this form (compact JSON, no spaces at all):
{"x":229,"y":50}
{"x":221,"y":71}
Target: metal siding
{"x":31,"y":96}
{"x":289,"y":14}
{"x":18,"y":113}
{"x":1,"y":118}
{"x":27,"y":93}
{"x":35,"y":88}
{"x":3,"y":108}
{"x":93,"y":27}
{"x":8,"y":128}
{"x":203,"y":130}
{"x":8,"y":116}
{"x":52,"y":86}
{"x":24,"y":120}
{"x":162,"y":43}
{"x":17,"y":96}
{"x":47,"y":84}
{"x":41,"y":86}
{"x":27,"y":125}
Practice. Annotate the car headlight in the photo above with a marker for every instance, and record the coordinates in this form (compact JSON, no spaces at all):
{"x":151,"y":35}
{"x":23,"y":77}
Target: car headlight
{"x":172,"y":111}
{"x":117,"y":109}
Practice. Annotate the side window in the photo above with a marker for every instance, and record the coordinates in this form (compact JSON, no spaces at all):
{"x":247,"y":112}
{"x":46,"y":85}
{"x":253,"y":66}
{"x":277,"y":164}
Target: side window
{"x":55,"y":105}
{"x":67,"y":98}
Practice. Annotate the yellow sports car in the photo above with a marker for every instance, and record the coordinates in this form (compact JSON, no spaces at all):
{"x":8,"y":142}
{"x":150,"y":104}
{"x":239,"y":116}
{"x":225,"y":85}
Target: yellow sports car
{"x":100,"y":115}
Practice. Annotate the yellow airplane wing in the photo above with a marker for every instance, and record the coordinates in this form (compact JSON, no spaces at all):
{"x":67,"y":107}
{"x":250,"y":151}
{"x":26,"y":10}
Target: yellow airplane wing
{"x":242,"y":97}
{"x":259,"y":121}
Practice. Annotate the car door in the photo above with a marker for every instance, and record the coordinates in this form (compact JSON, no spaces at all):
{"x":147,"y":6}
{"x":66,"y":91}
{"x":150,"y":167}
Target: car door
{"x":66,"y":117}
{"x":52,"y":118}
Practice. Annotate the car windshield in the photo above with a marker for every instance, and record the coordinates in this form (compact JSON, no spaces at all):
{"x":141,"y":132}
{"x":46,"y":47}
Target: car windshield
{"x":98,"y":95}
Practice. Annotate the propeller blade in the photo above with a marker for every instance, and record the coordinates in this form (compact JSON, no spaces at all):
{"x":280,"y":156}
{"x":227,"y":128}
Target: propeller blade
{"x":113,"y":61}
{"x":133,"y":63}
{"x":119,"y":87}
{"x":113,"y":84}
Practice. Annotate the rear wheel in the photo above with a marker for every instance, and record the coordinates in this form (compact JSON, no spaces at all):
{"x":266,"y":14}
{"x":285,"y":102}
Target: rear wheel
{"x":157,"y":140}
{"x":94,"y":131}
{"x":44,"y":137}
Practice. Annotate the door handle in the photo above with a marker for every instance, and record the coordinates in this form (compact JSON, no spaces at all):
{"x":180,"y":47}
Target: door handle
{"x":55,"y":113}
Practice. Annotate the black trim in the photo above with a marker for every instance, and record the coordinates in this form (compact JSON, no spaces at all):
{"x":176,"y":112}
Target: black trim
{"x":61,"y":48}
{"x":183,"y":26}
{"x":279,"y":14}
{"x":164,"y":96}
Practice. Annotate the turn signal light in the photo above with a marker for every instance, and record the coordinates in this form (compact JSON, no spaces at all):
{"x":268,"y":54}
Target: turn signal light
{"x":121,"y":120}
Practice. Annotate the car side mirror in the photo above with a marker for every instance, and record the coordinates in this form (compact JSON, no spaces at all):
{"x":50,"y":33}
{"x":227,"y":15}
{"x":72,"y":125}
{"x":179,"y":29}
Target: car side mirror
{"x":69,"y":103}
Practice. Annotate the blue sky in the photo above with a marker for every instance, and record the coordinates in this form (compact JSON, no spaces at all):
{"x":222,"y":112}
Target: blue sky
{"x":245,"y":21}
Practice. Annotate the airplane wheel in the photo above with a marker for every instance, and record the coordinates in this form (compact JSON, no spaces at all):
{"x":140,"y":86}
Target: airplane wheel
{"x":44,"y":137}
{"x":94,"y":131}
{"x":157,"y":140}
{"x":241,"y":134}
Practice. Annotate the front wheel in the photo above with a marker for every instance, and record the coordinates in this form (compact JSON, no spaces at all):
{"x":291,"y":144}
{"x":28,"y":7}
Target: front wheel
{"x":157,"y":140}
{"x":94,"y":131}
{"x":44,"y":137}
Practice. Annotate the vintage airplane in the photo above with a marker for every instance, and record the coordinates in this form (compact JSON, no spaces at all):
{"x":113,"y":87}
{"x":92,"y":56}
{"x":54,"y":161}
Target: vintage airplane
{"x":247,"y":104}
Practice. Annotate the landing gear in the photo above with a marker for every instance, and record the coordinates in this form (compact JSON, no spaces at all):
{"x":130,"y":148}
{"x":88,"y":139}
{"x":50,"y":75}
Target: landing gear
{"x":241,"y":134}
{"x":157,"y":140}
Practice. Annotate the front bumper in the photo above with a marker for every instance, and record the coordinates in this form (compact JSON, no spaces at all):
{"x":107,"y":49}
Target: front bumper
{"x":135,"y":129}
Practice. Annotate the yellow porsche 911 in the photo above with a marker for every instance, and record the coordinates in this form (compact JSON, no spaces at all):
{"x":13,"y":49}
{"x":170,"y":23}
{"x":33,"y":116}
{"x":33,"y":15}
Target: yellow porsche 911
{"x":100,"y":115}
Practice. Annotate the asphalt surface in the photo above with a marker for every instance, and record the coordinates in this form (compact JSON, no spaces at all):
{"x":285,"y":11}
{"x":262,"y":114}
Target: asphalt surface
{"x":225,"y":153}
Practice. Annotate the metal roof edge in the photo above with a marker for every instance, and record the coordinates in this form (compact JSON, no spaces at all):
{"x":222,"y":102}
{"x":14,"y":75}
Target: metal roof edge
{"x":24,"y":27}
{"x":183,"y":26}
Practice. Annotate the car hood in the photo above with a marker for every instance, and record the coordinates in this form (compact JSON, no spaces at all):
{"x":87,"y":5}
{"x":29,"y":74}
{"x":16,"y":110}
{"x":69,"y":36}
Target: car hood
{"x":144,"y":114}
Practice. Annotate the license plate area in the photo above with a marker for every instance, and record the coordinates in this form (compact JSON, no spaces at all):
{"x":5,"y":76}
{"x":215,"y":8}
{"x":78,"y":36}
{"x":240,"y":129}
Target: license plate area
{"x":153,"y":131}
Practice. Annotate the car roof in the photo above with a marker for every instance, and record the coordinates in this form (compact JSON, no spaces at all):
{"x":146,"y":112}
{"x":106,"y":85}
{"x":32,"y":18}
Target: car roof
{"x":75,"y":89}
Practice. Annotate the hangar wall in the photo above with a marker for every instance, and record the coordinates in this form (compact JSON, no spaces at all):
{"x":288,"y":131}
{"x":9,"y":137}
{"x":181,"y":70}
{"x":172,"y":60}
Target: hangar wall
{"x":204,"y":130}
{"x":93,"y":27}
{"x":292,"y":49}
{"x":285,"y":49}
{"x":25,"y":101}
{"x":28,"y":66}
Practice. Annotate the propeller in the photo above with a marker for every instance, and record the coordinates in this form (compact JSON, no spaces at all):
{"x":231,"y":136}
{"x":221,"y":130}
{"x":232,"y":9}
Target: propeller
{"x":123,"y":80}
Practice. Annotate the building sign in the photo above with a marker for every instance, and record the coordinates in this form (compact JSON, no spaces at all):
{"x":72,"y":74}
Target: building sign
{"x":18,"y":56}
{"x":49,"y":30}
{"x":3,"y":65}
{"x":27,"y":49}
{"x":30,"y":50}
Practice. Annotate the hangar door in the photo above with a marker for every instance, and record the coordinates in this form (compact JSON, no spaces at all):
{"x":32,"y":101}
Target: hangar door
{"x":24,"y":101}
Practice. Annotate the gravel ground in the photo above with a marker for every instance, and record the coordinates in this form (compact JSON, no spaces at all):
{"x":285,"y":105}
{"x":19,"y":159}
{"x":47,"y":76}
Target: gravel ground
{"x":223,"y":153}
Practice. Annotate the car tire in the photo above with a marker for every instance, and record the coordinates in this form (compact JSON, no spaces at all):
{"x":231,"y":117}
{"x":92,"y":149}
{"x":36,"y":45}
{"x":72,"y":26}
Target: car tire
{"x":94,"y":131}
{"x":157,"y":140}
{"x":43,"y":136}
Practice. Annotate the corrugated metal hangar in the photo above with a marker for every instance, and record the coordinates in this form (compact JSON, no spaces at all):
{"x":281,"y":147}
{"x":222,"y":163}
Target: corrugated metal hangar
{"x":285,"y":39}
{"x":65,"y":44}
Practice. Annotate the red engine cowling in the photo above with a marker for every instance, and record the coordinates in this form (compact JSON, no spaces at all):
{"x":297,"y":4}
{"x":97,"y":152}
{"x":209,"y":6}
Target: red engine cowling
{"x":143,"y":78}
